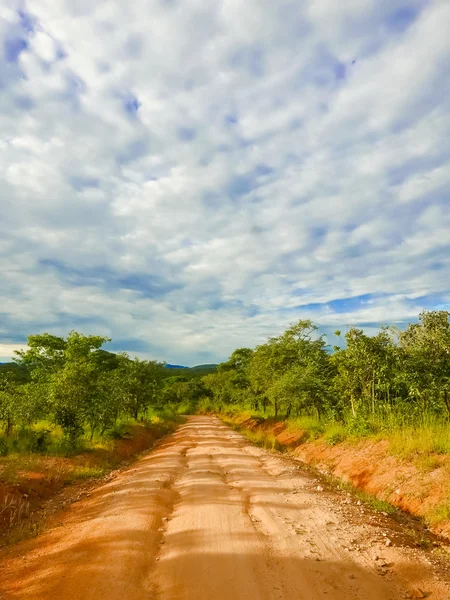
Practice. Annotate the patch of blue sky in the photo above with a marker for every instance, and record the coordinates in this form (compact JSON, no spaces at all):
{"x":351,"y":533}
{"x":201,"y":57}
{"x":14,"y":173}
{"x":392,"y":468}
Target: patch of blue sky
{"x":340,"y":71}
{"x":149,"y":286}
{"x":240,"y":185}
{"x":429,"y":301}
{"x":263,"y":170}
{"x":186,"y":134}
{"x":401,"y":18}
{"x":250,"y":59}
{"x":13,"y":47}
{"x":24,"y":102}
{"x":338,"y":305}
{"x":131,"y":105}
{"x":231,"y":119}
{"x":128,"y":345}
{"x":27,"y":21}
{"x":60,"y":53}
{"x":79,"y":183}
{"x":134,"y":150}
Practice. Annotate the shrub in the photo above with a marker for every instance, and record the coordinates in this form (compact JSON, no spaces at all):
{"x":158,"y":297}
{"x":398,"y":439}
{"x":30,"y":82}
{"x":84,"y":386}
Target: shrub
{"x":360,"y":427}
{"x":4,"y":450}
{"x":335,"y":434}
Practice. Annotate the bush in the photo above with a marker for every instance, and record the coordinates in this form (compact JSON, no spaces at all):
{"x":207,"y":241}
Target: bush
{"x":335,"y":434}
{"x":205,"y":406}
{"x":38,"y":441}
{"x":4,"y":450}
{"x":118,"y":432}
{"x":360,"y":427}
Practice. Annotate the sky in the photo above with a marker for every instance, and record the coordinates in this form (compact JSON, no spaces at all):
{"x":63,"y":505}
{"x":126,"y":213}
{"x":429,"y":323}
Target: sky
{"x":189,"y":177}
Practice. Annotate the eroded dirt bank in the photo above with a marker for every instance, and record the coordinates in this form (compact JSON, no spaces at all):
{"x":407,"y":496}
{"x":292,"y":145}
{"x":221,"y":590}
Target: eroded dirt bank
{"x":34,"y":487}
{"x":419,"y":489}
{"x":207,"y":515}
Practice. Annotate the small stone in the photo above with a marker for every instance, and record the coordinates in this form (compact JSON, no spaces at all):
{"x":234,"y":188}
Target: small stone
{"x":418,"y":594}
{"x":319,"y":488}
{"x":388,"y":542}
{"x":351,"y":576}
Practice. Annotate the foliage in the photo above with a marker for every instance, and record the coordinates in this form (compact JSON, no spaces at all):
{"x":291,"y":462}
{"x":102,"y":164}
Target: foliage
{"x":75,"y":385}
{"x":396,"y":378}
{"x":390,"y":380}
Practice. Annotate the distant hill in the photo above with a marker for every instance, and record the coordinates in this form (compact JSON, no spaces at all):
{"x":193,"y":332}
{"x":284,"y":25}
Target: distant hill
{"x":190,"y":372}
{"x":109,"y":358}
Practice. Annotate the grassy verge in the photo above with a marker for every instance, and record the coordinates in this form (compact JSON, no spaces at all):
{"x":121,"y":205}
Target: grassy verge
{"x":421,"y":442}
{"x":399,"y":467}
{"x":29,"y":480}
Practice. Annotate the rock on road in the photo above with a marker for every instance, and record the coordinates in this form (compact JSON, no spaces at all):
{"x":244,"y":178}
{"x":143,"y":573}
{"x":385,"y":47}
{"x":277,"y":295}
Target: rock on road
{"x":207,"y":515}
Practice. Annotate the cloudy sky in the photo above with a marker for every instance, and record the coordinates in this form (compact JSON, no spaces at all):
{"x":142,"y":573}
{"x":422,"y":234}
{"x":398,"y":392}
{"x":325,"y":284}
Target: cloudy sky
{"x":188,"y":177}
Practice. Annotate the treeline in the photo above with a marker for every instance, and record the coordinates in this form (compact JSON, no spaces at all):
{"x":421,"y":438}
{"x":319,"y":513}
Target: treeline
{"x":394,"y":375}
{"x":72,"y":383}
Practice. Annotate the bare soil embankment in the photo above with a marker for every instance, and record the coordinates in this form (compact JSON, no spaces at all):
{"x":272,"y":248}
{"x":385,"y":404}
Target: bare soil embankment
{"x":33,"y":487}
{"x":209,"y":516}
{"x":418,"y":487}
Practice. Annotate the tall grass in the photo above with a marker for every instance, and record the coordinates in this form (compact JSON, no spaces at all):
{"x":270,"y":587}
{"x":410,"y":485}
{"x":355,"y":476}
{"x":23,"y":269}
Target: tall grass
{"x":422,"y":439}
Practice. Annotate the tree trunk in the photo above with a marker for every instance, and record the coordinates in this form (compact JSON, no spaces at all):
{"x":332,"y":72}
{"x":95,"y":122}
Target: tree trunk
{"x":373,"y":393}
{"x":447,"y":401}
{"x":352,"y":403}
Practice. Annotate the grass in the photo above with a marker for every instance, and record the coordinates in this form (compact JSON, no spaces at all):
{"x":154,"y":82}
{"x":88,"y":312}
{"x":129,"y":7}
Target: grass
{"x":424,"y":445}
{"x":263,"y":439}
{"x":430,"y":437}
{"x":439,"y":513}
{"x":31,"y":474}
{"x":85,"y":472}
{"x":409,"y":442}
{"x":368,"y":499}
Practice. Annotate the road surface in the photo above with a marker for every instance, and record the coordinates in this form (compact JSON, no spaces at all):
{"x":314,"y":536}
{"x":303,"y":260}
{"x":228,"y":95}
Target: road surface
{"x":208,"y":516}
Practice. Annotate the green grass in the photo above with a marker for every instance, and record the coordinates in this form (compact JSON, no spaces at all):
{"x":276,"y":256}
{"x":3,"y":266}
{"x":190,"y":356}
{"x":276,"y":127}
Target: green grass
{"x":84,"y":472}
{"x":263,"y":439}
{"x":429,"y":437}
{"x":415,"y":441}
{"x":439,"y":513}
{"x":335,"y":433}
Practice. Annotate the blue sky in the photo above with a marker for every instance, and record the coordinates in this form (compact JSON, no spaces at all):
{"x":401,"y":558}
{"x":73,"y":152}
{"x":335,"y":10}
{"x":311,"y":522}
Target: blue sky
{"x":188,"y":177}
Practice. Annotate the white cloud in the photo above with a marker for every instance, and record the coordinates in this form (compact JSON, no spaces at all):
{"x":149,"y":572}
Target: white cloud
{"x":192,"y":176}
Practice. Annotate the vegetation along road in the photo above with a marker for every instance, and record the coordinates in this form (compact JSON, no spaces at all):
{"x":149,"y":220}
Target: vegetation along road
{"x":207,"y":515}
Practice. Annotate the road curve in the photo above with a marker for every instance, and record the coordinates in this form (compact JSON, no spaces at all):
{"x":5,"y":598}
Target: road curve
{"x":207,"y":516}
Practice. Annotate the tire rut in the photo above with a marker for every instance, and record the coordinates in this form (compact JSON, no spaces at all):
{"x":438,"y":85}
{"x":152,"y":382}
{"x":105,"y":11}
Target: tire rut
{"x":211,"y":517}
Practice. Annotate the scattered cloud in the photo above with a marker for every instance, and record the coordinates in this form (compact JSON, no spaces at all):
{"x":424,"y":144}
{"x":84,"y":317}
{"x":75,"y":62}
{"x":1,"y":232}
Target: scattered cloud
{"x":190,"y":177}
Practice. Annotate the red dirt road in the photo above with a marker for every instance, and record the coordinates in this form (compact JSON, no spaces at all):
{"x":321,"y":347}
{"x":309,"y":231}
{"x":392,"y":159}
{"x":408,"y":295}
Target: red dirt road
{"x":206,"y":515}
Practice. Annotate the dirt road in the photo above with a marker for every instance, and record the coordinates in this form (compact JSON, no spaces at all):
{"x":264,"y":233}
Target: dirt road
{"x":207,"y":515}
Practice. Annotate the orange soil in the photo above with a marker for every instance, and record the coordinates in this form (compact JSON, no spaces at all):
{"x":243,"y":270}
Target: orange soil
{"x":207,"y":515}
{"x":24,"y":495}
{"x":369,"y":466}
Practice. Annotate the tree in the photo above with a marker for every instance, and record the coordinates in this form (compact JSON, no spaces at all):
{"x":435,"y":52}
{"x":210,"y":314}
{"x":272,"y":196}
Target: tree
{"x":68,"y":370}
{"x":365,"y":370}
{"x":425,"y":360}
{"x":292,"y":370}
{"x":141,"y":383}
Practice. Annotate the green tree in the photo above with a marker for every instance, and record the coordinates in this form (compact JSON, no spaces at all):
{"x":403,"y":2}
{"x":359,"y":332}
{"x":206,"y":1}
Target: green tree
{"x":425,"y":361}
{"x":141,"y":384}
